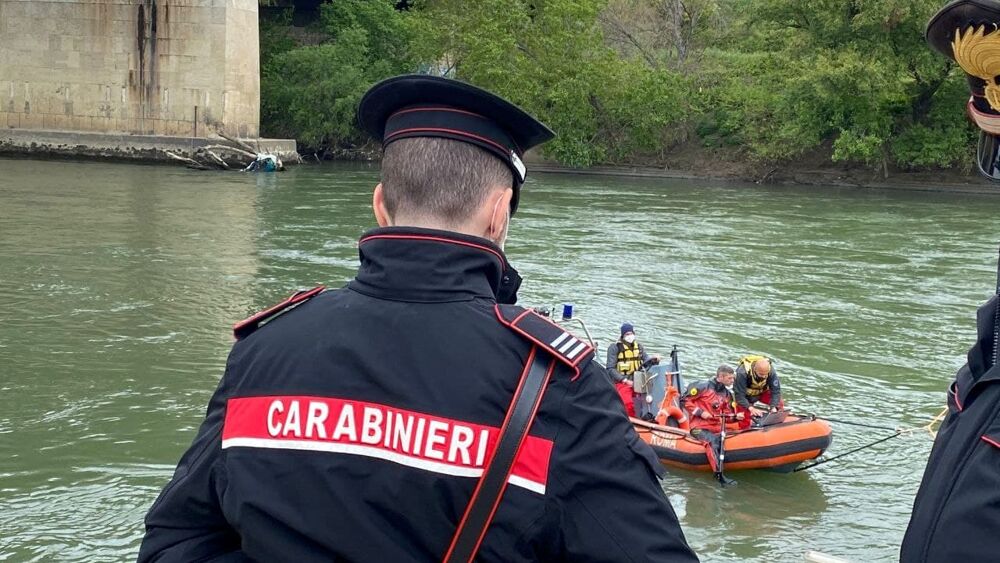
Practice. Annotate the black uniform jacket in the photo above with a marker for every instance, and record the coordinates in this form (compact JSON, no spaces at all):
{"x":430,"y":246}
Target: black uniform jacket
{"x":956,"y":515}
{"x":354,"y":426}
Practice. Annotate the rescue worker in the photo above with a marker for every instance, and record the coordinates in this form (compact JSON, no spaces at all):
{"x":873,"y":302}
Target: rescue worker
{"x":385,"y":421}
{"x":956,"y":513}
{"x":626,"y":357}
{"x":756,"y":382}
{"x":707,"y":402}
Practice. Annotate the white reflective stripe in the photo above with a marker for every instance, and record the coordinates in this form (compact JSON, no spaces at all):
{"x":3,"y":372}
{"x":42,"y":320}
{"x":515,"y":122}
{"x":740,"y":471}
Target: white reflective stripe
{"x":576,"y":351}
{"x":354,"y":449}
{"x":532,"y":486}
{"x":562,"y":337}
{"x":367,"y":451}
{"x":569,"y":344}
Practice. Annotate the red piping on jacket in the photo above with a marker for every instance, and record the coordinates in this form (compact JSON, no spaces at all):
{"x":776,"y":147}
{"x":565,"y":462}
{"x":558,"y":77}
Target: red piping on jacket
{"x":503,"y":262}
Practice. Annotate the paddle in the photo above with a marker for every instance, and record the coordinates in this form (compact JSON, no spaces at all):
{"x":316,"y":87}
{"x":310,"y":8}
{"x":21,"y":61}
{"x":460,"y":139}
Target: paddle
{"x":675,"y":366}
{"x":720,"y":475}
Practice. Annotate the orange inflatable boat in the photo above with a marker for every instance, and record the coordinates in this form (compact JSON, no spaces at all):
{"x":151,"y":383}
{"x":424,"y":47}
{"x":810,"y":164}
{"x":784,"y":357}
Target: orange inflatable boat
{"x":777,"y":447}
{"x":780,"y":447}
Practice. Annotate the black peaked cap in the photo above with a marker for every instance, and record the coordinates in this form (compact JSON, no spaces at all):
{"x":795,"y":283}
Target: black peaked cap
{"x":418,"y":105}
{"x":962,"y":17}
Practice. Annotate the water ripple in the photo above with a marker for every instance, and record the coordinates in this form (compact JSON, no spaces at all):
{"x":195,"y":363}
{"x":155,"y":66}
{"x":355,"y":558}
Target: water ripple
{"x":121,"y":283}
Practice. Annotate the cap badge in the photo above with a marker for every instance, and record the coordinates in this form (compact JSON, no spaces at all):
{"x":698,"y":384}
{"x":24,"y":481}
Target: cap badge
{"x":978,"y":53}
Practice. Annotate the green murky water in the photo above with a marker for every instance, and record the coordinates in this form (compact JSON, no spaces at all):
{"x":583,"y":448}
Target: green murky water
{"x":118,"y":285}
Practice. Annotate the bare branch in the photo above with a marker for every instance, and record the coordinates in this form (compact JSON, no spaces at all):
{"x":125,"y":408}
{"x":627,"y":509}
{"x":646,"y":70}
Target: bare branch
{"x":231,"y":149}
{"x":190,"y":162}
{"x":243,"y":145}
{"x":217,"y":160}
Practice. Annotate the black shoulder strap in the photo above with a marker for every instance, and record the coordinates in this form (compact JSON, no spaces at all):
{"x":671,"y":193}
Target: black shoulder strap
{"x":247,"y":326}
{"x":492,"y":484}
{"x":547,"y":335}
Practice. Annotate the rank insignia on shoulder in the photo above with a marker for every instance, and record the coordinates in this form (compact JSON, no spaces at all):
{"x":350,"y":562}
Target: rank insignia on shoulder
{"x":546,"y":334}
{"x":247,"y":326}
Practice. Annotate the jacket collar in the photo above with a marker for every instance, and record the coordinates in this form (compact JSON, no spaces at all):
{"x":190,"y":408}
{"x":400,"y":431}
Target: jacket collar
{"x":431,"y":266}
{"x":980,"y":369}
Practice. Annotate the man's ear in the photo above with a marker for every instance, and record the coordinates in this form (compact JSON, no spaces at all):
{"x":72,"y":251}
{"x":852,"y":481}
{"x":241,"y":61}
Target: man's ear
{"x":501,"y":214}
{"x":382,"y":216}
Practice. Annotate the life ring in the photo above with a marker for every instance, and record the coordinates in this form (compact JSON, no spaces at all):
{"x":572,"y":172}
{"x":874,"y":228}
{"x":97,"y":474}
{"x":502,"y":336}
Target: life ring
{"x":670,"y":413}
{"x":672,"y":416}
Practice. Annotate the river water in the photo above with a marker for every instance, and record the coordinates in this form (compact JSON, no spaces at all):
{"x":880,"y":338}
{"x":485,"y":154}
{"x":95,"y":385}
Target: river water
{"x":119,"y":284}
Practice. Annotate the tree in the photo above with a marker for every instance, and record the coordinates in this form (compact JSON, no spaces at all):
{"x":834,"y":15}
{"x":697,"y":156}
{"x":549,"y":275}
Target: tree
{"x":312,"y":92}
{"x":662,"y":32}
{"x":857,"y":73}
{"x":550,"y":57}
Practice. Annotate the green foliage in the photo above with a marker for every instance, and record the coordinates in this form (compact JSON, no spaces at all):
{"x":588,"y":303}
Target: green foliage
{"x":275,"y":37}
{"x":856,"y":73}
{"x":549,"y":56}
{"x":945,"y":138}
{"x":311,"y":92}
{"x":627,"y":80}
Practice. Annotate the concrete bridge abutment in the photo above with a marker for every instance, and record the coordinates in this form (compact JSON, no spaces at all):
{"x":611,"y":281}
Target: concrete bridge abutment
{"x":172,"y":68}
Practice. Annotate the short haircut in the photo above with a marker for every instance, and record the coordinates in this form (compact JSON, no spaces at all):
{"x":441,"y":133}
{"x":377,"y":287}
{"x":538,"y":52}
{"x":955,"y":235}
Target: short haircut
{"x":725,"y":368}
{"x":440,"y":178}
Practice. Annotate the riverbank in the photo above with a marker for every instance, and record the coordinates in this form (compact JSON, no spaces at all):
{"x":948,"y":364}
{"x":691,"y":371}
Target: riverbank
{"x":814,"y":169}
{"x":684,"y":163}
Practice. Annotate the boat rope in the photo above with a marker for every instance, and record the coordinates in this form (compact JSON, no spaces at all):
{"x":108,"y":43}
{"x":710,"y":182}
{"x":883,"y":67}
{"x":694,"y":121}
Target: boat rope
{"x":929,"y":427}
{"x":861,"y":424}
{"x":866,"y":446}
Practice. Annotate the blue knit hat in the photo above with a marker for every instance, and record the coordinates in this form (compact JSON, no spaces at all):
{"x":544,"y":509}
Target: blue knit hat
{"x":627,"y":328}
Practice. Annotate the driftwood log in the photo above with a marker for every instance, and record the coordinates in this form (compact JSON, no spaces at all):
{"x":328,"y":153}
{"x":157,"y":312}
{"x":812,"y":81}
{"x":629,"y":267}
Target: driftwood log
{"x":190,"y":162}
{"x":231,"y":154}
{"x":243,"y":145}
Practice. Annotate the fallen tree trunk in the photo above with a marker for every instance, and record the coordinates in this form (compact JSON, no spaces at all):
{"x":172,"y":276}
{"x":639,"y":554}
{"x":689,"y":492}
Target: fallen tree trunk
{"x":238,"y":143}
{"x":237,"y":150}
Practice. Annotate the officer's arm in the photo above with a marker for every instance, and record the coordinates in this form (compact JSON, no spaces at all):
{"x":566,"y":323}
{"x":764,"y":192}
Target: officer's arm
{"x":612,"y":363}
{"x":603,"y":478}
{"x":692,"y":403}
{"x":644,"y":356}
{"x":775,"y":387}
{"x":186,"y":522}
{"x":740,"y":389}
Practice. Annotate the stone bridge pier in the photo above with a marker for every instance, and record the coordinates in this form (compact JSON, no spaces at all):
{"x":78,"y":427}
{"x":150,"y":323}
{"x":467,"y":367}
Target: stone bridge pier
{"x":128,"y":72}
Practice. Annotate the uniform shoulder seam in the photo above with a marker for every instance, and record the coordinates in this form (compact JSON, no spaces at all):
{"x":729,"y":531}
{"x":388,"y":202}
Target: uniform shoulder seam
{"x":248,"y":326}
{"x":549,"y":336}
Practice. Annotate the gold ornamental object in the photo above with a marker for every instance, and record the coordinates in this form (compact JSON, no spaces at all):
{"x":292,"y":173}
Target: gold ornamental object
{"x":978,"y":53}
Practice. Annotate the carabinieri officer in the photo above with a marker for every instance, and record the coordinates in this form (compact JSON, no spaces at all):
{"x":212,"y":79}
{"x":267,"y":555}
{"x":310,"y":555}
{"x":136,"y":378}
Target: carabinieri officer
{"x":416,"y":414}
{"x":956,"y":514}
